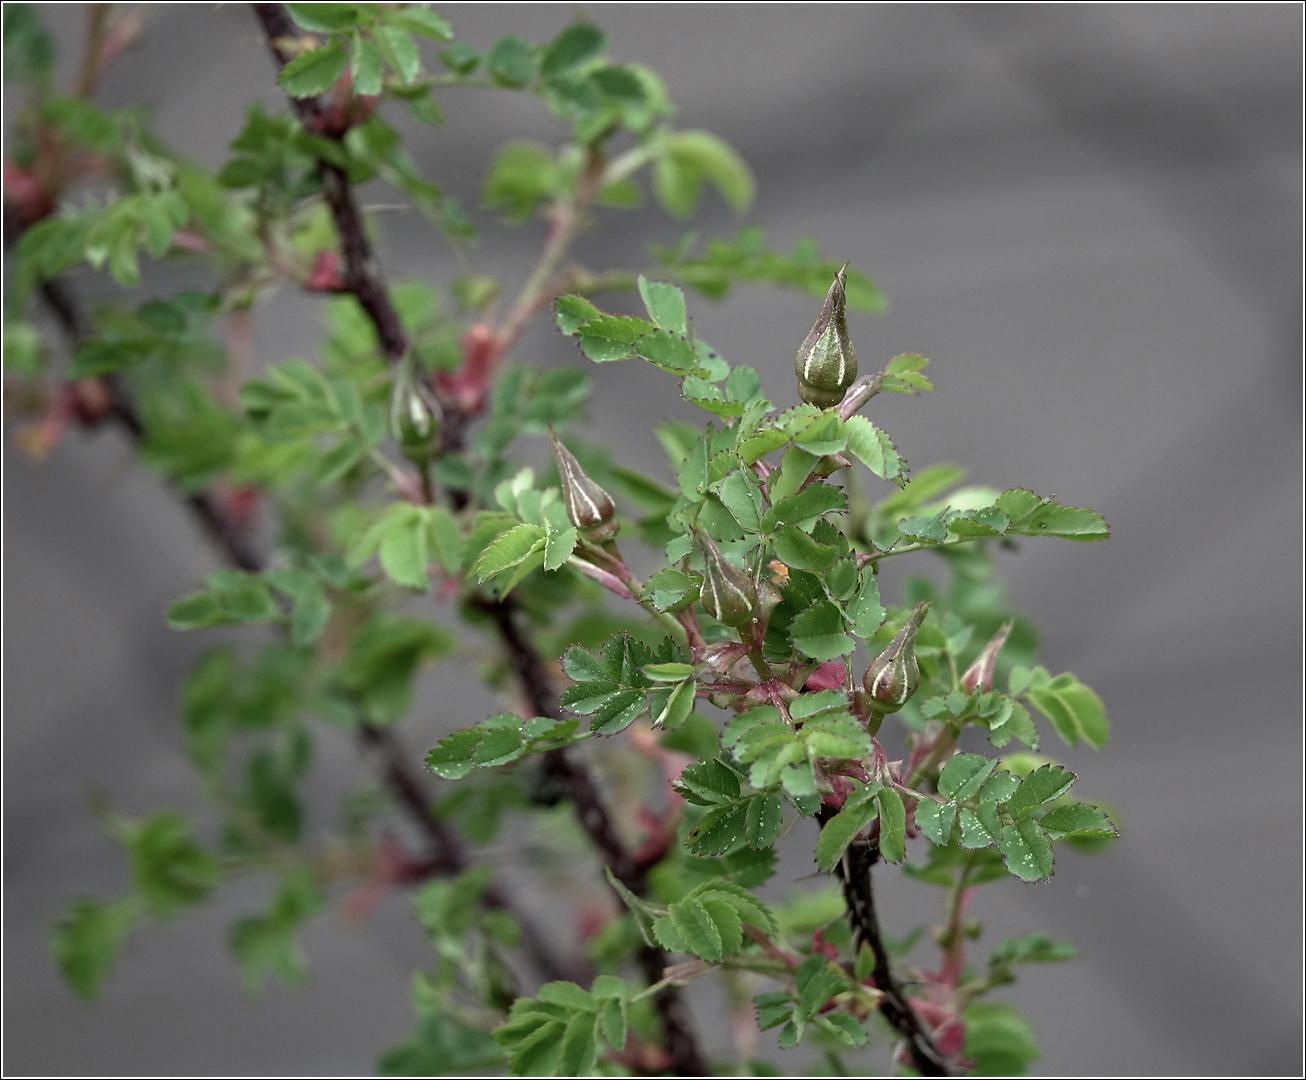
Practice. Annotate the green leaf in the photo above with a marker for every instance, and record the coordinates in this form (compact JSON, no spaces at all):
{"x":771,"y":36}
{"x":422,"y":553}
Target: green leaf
{"x":445,"y":538}
{"x":823,"y":435}
{"x":310,"y":607}
{"x":749,"y":907}
{"x":499,"y":745}
{"x":798,"y":551}
{"x":1066,"y":522}
{"x":762,"y":821}
{"x":708,"y":782}
{"x":935,"y":820}
{"x":366,"y":66}
{"x":925,"y":486}
{"x":510,"y":62}
{"x":451,"y":757}
{"x":818,"y":631}
{"x":726,"y":920}
{"x":668,"y":588}
{"x":420,"y":20}
{"x":874,"y":449}
{"x":999,"y":1040}
{"x":521,"y":176}
{"x":558,"y":547}
{"x":977,"y":833}
{"x":538,"y":1054}
{"x":676,"y":710}
{"x":741,"y":494}
{"x":314,"y":72}
{"x":1026,"y":850}
{"x":324,"y":18}
{"x":893,"y":826}
{"x":1075,"y":710}
{"x":933,"y":529}
{"x":578,"y":1047}
{"x":689,"y":159}
{"x":696,"y":928}
{"x":719,"y":830}
{"x":572,"y":312}
{"x":1079,"y":819}
{"x":841,"y":830}
{"x":813,"y":501}
{"x":844,"y":1028}
{"x":403,"y":550}
{"x":170,"y":869}
{"x":668,"y":673}
{"x":865,"y":613}
{"x":1040,"y":786}
{"x":575,"y":47}
{"x":964,"y":775}
{"x":89,"y":939}
{"x":670,"y":352}
{"x":665,"y":934}
{"x":665,"y":304}
{"x":757,"y":445}
{"x":510,"y":549}
{"x":1035,"y":948}
{"x":795,"y":466}
{"x":618,"y":712}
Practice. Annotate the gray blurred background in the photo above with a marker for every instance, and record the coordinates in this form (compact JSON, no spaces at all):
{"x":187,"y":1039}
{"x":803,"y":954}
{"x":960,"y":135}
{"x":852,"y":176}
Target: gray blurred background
{"x":1088,"y":216}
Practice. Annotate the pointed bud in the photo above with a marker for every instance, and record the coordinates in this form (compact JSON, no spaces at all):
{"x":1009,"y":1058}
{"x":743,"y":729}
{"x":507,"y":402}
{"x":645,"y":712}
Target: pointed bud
{"x":414,"y":414}
{"x":727,"y":594}
{"x":589,"y":507}
{"x":894,"y":675}
{"x":979,"y":676}
{"x":826,"y":365}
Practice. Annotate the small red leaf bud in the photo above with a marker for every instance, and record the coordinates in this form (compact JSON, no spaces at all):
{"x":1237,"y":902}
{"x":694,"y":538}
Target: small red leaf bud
{"x":979,"y":676}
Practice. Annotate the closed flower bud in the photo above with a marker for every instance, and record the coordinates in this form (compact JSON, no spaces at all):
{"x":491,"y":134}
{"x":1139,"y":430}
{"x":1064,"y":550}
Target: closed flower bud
{"x":894,"y":675}
{"x":727,"y":593}
{"x":414,"y":415}
{"x":589,"y":507}
{"x":826,"y":364}
{"x":979,"y":676}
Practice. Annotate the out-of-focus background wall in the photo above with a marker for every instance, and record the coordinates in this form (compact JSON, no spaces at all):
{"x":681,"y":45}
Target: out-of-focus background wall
{"x":1088,"y":216}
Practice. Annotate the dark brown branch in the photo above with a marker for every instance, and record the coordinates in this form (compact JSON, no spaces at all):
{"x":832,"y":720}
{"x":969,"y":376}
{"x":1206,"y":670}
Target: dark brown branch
{"x":362,"y":272}
{"x":233,"y":541}
{"x":854,"y":872}
{"x":450,"y":857}
{"x":593,"y":814}
{"x":364,"y":280}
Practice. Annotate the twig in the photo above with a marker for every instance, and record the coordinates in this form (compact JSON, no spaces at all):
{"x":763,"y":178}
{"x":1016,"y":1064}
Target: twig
{"x":363,"y":279}
{"x":449,"y":855}
{"x":362,"y":272}
{"x":597,"y":822}
{"x":854,"y":871}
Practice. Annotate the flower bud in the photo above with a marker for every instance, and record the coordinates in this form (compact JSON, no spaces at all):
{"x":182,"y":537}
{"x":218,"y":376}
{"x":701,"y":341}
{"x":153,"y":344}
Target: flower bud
{"x":589,"y":507}
{"x":414,"y":414}
{"x":826,"y":364}
{"x":979,"y":676}
{"x":727,"y":594}
{"x":894,"y":675}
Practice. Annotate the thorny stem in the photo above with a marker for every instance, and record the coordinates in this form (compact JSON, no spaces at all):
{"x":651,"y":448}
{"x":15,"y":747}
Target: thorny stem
{"x":363,"y":279}
{"x":362,"y":273}
{"x":854,"y":871}
{"x":593,"y":814}
{"x":238,"y":549}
